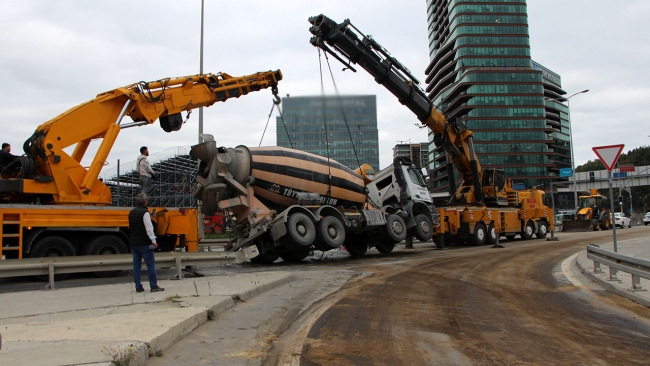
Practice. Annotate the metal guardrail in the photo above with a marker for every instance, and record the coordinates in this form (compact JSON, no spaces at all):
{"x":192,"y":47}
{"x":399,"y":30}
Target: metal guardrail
{"x":638,"y":268}
{"x":49,"y":266}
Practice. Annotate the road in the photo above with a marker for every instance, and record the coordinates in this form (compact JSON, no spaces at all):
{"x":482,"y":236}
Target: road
{"x":452,"y":307}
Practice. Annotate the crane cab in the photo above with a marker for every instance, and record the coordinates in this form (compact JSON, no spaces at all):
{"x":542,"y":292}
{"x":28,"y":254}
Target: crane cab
{"x":494,"y":182}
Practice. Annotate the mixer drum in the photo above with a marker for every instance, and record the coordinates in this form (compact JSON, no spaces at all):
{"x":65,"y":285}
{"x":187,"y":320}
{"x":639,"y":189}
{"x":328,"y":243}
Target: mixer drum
{"x":281,"y":173}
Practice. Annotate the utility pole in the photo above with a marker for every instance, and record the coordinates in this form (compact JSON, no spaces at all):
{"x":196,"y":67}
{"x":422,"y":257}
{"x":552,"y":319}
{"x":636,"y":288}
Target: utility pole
{"x":201,"y":72}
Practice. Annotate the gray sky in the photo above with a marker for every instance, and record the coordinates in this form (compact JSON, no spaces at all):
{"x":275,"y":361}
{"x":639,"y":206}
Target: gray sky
{"x":56,"y":55}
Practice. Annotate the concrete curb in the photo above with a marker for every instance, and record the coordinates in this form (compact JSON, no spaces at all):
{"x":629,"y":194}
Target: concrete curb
{"x":182,"y":329}
{"x":630,"y":295}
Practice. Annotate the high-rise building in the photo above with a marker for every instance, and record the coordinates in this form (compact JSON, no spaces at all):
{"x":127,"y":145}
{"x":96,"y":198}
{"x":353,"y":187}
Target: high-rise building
{"x":418,"y":153}
{"x":481,"y":71}
{"x":311,"y":123}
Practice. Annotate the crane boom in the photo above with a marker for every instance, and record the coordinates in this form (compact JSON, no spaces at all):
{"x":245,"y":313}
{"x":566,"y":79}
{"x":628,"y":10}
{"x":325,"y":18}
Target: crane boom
{"x":345,"y":41}
{"x":54,"y":177}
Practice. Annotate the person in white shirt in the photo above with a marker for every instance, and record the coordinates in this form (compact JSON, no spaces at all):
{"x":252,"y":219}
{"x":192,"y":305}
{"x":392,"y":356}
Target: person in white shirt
{"x":145,"y":171}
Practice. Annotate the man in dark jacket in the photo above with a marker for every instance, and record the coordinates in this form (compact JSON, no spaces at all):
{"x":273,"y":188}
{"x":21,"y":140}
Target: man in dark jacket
{"x":143,"y":242}
{"x":5,"y":155}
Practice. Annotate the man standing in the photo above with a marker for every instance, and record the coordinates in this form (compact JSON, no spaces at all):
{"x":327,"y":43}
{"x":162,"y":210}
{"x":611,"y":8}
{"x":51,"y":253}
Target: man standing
{"x":145,"y":171}
{"x":5,"y":155}
{"x":143,"y":242}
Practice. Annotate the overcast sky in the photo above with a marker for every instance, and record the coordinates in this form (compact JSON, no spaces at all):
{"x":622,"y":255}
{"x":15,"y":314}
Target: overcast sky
{"x":57,"y":54}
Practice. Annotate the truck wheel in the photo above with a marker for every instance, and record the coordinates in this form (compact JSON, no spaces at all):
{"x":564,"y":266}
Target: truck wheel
{"x":492,"y":234}
{"x":528,"y":231}
{"x":385,"y":247}
{"x":265,"y":258}
{"x":294,"y":256}
{"x":480,"y":234}
{"x":301,"y":232}
{"x":605,"y":222}
{"x":542,"y":231}
{"x":356,"y":245}
{"x":395,"y":228}
{"x":105,"y":245}
{"x":423,"y":229}
{"x":330,"y":233}
{"x":53,"y":246}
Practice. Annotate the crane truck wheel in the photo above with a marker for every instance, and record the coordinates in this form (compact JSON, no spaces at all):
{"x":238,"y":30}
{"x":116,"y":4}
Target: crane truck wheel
{"x":528,"y":231}
{"x":542,"y":231}
{"x":395,"y":228}
{"x":330,"y":233}
{"x":105,"y":245}
{"x":301,"y":232}
{"x":480,"y":234}
{"x":262,"y":257}
{"x":492,"y":234}
{"x":423,"y":229}
{"x":53,"y":246}
{"x":294,"y":256}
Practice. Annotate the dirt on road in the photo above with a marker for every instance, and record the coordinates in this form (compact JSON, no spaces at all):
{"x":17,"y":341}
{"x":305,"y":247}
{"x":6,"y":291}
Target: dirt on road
{"x":485,"y":306}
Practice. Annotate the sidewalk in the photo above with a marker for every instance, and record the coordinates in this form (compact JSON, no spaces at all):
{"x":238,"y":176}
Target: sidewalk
{"x":72,"y":326}
{"x":639,"y":248}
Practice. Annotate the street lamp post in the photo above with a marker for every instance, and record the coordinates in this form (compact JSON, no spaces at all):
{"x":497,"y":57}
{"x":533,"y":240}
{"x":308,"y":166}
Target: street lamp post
{"x":573,"y":160}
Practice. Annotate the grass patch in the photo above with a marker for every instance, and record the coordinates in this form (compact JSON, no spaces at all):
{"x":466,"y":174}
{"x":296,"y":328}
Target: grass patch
{"x":173,"y":297}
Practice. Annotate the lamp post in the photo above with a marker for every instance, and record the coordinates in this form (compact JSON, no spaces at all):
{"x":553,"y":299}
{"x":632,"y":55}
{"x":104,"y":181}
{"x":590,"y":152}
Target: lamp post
{"x":573,"y":161}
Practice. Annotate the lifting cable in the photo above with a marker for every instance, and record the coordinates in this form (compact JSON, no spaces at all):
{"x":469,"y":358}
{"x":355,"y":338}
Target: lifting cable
{"x":342,"y":109}
{"x":327,"y":143}
{"x":267,"y":124}
{"x":285,"y":125}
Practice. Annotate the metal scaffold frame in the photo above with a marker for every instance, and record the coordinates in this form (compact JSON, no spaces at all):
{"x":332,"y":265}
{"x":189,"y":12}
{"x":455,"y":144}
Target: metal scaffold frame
{"x":175,"y":174}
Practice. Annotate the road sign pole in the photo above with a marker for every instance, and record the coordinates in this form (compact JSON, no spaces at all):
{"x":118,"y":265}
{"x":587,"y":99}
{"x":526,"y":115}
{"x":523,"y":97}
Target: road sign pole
{"x":611,"y":203}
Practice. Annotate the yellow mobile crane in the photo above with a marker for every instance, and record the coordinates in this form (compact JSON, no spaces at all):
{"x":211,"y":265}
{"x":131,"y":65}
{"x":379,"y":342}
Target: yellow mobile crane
{"x":53,"y":206}
{"x":485,"y":205}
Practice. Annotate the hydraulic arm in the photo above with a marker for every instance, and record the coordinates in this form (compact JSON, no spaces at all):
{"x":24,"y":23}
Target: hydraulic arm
{"x":51,"y":175}
{"x":345,"y":41}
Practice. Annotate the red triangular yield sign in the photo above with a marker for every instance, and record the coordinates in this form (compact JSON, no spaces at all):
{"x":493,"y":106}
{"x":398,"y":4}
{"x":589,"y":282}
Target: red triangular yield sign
{"x":608,"y":154}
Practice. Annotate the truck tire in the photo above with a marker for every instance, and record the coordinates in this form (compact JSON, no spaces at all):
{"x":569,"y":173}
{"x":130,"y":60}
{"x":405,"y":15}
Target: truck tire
{"x":384,"y":247}
{"x":395,"y":228}
{"x":542,"y":231}
{"x":53,"y":246}
{"x":294,"y":256}
{"x":301,"y":232}
{"x":423,"y":229}
{"x":528,"y":231}
{"x":264,"y":258}
{"x":330,"y":233}
{"x":492,"y":235}
{"x":605,"y":222}
{"x":105,"y":245}
{"x":480,"y":234}
{"x":356,"y":245}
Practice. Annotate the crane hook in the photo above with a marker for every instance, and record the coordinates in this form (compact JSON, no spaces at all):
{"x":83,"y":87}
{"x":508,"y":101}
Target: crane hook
{"x":277,"y":100}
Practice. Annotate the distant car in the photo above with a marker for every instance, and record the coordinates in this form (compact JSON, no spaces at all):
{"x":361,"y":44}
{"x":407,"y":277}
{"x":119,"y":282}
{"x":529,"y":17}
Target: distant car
{"x":621,"y":220}
{"x":646,"y":219}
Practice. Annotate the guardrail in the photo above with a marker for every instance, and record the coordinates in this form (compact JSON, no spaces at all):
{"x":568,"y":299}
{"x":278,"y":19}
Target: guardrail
{"x":50,"y":266}
{"x":636,"y":267}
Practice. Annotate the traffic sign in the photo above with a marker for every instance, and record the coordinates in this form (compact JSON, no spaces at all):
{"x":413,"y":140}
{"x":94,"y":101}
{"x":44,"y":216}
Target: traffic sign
{"x":566,"y":172}
{"x":608,"y":155}
{"x":626,"y":168}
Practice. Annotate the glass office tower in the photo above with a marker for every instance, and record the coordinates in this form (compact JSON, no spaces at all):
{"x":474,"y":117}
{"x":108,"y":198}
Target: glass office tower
{"x":481,"y":71}
{"x":313,"y":122}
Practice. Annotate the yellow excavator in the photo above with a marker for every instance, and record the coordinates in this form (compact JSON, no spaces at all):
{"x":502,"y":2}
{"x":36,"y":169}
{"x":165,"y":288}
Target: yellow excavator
{"x":593,"y":214}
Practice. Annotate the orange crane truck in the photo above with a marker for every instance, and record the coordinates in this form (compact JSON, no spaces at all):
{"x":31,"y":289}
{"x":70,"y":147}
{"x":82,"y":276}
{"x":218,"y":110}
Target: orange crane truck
{"x":53,"y":206}
{"x":485,"y":204}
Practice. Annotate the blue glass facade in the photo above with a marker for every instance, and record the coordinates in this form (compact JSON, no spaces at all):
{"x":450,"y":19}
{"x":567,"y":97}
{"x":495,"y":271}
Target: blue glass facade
{"x":481,"y":71}
{"x":312,"y":123}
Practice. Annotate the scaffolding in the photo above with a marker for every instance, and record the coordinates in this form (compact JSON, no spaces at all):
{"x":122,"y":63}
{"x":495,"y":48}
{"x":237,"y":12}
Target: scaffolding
{"x":175,"y":174}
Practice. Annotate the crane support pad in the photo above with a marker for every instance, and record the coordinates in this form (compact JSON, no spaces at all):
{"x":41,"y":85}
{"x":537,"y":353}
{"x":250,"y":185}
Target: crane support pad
{"x":11,"y":185}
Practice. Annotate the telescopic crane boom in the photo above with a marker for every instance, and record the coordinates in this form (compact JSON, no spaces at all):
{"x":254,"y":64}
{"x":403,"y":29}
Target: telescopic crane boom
{"x":345,"y":41}
{"x":49,"y":174}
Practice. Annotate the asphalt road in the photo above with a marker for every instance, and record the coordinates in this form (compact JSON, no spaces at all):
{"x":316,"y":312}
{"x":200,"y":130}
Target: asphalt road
{"x":470,"y":305}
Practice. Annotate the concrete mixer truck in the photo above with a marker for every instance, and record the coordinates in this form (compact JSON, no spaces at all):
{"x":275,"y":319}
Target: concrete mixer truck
{"x":285,"y":202}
